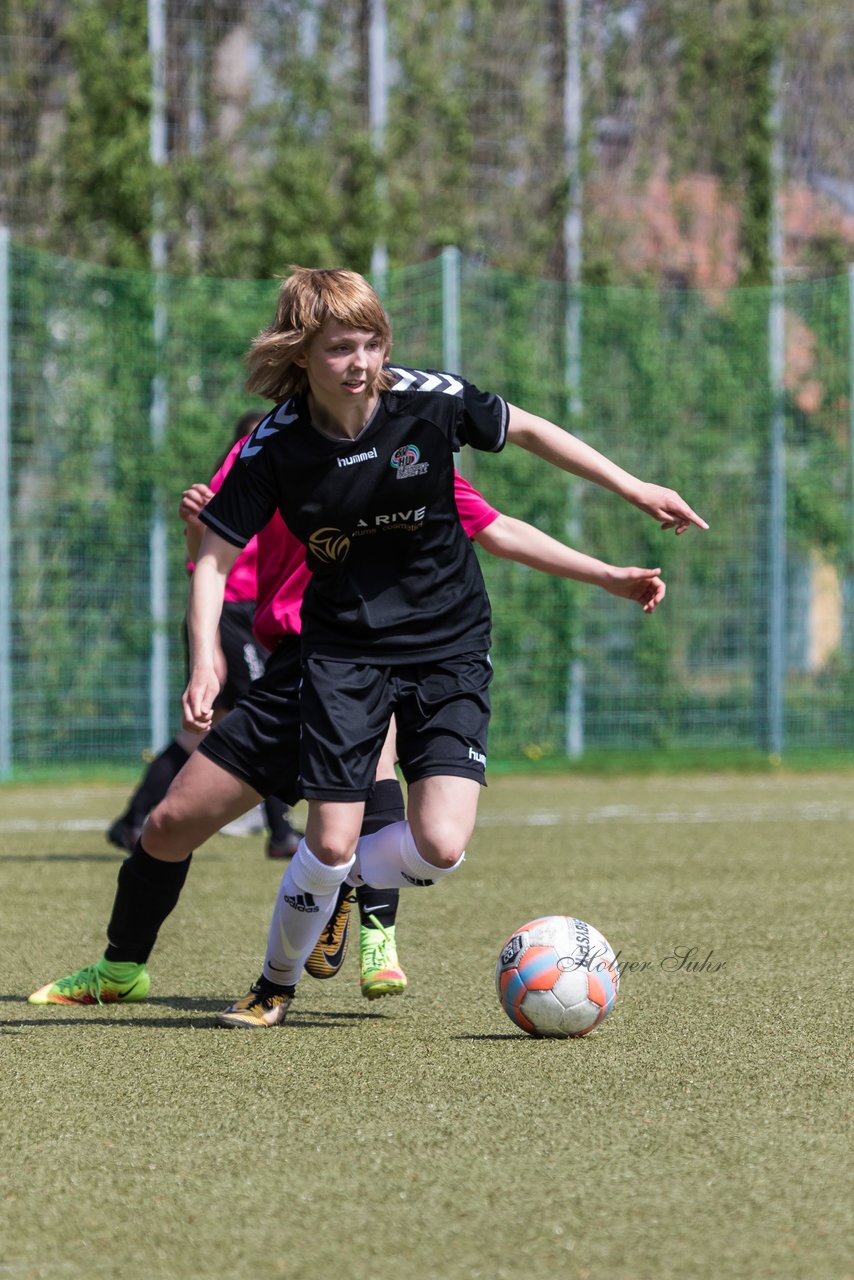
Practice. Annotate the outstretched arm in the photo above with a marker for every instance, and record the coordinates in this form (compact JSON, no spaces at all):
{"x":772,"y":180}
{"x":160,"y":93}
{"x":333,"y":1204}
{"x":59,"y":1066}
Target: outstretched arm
{"x":566,"y":451}
{"x":207,"y":589}
{"x":515,"y":540}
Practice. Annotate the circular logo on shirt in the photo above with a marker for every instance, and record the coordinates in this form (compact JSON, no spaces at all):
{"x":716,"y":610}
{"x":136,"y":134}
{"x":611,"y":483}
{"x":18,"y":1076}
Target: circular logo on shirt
{"x":406,"y":456}
{"x":329,"y":545}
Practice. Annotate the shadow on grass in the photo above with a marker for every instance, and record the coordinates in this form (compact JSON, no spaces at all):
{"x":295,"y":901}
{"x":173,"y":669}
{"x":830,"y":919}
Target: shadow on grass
{"x":493,"y":1035}
{"x":116,"y":858}
{"x":88,"y":1017}
{"x":160,"y":1024}
{"x":126,"y":1024}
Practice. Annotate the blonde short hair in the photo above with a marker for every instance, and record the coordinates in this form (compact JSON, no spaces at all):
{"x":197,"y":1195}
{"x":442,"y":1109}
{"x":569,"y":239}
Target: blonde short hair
{"x":307,"y":299}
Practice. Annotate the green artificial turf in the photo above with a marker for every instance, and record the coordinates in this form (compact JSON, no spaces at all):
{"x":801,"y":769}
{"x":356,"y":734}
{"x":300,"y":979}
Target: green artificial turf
{"x":700,"y":1132}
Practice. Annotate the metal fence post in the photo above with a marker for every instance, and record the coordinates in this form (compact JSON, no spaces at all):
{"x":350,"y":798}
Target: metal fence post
{"x":5,"y":516}
{"x":159,"y":411}
{"x":849,"y":576}
{"x":451,"y":261}
{"x":574,"y":715}
{"x":378,"y":118}
{"x":776,"y":644}
{"x":451,"y":309}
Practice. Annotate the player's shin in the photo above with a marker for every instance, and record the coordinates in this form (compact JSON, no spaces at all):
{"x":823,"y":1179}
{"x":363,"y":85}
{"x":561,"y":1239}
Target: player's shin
{"x":146,"y":893}
{"x":383,"y":807}
{"x":306,"y":900}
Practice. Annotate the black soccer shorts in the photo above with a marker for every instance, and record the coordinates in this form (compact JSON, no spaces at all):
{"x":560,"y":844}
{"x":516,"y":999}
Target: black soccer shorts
{"x":259,"y":740}
{"x":441,"y":709}
{"x":244,"y":656}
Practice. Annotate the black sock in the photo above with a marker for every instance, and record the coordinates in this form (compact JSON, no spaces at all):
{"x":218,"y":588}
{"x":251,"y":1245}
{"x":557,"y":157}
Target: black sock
{"x":155,"y":783}
{"x":278,"y":819}
{"x":379,"y":903}
{"x":147,"y":892}
{"x":384,"y":806}
{"x":268,"y":988}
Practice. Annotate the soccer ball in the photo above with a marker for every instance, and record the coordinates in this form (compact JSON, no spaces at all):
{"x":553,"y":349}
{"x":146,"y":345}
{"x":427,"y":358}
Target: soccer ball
{"x":557,"y":977}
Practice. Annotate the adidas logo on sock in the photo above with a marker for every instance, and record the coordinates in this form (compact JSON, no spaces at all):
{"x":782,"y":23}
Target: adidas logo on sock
{"x":419,"y":884}
{"x":301,"y":902}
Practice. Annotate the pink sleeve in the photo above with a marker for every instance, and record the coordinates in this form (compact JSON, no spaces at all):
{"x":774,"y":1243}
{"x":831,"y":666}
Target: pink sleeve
{"x":475,"y":512}
{"x":228,"y":463}
{"x":242,"y":580}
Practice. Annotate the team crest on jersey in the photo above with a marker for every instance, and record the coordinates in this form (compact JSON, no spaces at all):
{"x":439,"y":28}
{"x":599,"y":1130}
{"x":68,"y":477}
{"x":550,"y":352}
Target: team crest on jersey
{"x":329,"y":545}
{"x":406,"y":461}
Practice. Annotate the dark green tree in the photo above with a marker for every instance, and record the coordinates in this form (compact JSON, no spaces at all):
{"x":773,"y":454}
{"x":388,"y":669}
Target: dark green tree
{"x":97,"y":179}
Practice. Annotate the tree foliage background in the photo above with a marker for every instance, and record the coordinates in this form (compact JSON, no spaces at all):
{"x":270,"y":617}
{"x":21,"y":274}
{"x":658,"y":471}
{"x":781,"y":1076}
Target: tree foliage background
{"x":270,"y":157}
{"x":271,"y":161}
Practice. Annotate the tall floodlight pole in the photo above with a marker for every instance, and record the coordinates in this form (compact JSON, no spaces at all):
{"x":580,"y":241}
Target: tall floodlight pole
{"x":776,"y":650}
{"x":158,"y":697}
{"x":572,"y":241}
{"x":5,"y":515}
{"x":377,"y":121}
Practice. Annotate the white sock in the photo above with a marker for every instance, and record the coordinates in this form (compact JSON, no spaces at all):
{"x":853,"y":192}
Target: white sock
{"x":388,"y":859}
{"x":306,"y":900}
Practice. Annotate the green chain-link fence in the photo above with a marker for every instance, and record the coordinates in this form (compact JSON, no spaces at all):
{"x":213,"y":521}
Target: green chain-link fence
{"x":675,"y":387}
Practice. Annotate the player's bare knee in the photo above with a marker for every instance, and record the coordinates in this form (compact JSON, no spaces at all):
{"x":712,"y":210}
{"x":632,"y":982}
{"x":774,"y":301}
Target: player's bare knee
{"x":333,"y":850}
{"x":438,"y":839}
{"x":164,"y":834}
{"x":441,"y":853}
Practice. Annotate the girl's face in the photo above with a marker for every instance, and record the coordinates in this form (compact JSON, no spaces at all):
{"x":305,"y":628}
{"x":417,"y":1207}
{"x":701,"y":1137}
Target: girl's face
{"x":343,"y":364}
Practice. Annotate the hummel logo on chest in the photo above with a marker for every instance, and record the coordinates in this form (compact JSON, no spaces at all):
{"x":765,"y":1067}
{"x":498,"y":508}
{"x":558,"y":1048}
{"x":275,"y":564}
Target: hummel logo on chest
{"x":357,"y":457}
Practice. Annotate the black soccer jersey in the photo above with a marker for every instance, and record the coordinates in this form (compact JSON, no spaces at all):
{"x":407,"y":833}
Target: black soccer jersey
{"x":394,"y":577}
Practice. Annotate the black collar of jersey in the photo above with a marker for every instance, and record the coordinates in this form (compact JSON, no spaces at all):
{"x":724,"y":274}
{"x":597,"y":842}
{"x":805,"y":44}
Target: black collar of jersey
{"x":297,"y":410}
{"x":407,"y":383}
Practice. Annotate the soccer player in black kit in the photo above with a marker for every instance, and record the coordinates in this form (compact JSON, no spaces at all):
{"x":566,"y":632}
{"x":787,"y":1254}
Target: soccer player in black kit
{"x":358,"y":457}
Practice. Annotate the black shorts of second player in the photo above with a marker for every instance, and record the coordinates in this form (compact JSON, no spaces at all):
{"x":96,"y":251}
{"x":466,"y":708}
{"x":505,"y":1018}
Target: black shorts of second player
{"x":441,"y":710}
{"x":244,"y":656}
{"x":258,"y":741}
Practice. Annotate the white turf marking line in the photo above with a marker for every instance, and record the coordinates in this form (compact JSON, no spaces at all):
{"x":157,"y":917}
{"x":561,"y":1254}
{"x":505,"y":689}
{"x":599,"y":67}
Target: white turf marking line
{"x":803,"y":811}
{"x":10,"y":1268}
{"x":70,"y":824}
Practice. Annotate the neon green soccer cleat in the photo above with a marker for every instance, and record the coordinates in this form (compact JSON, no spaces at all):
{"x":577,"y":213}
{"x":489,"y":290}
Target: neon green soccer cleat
{"x":260,"y":1008}
{"x":381,"y":974}
{"x":331,"y":947}
{"x":107,"y":982}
